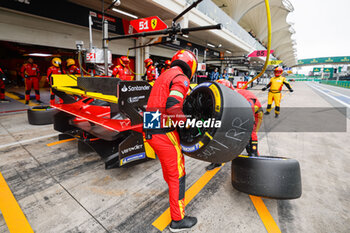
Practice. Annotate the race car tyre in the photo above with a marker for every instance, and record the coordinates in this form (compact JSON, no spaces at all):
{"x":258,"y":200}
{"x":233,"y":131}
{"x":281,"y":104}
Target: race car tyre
{"x":272,"y":177}
{"x":222,"y":123}
{"x":41,"y":115}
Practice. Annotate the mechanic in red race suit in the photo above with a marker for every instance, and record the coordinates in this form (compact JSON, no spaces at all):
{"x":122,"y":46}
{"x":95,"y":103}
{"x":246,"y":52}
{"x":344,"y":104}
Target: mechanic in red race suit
{"x":122,"y":71}
{"x":167,"y":97}
{"x":71,"y":67}
{"x":31,"y":75}
{"x":167,"y":66}
{"x":54,"y":69}
{"x":252,"y":147}
{"x":2,"y":86}
{"x":150,"y":70}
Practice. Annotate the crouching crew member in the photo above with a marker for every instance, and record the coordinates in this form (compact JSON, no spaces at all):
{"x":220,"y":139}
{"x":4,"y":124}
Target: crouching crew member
{"x":54,"y":69}
{"x":252,"y":147}
{"x":151,"y":73}
{"x":71,"y":67}
{"x":122,"y":71}
{"x":31,"y":75}
{"x":275,"y":85}
{"x":166,"y":98}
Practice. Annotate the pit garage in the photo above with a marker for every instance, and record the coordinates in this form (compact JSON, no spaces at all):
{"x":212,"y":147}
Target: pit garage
{"x":83,"y":161}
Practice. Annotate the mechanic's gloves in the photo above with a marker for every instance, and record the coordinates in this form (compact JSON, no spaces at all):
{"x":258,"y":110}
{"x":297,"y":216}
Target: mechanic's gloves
{"x":264,"y":88}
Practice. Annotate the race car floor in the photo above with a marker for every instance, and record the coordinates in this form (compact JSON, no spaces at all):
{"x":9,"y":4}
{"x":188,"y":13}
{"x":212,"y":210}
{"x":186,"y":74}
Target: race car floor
{"x":59,"y":190}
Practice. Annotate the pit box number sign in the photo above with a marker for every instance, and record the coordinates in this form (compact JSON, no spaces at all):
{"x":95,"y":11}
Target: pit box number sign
{"x":149,"y":24}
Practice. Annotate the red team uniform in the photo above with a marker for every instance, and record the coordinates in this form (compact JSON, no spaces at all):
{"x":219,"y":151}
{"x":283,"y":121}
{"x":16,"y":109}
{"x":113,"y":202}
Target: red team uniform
{"x":167,"y":97}
{"x":167,"y":66}
{"x":150,"y":70}
{"x":54,"y":69}
{"x":122,"y":71}
{"x":31,"y":75}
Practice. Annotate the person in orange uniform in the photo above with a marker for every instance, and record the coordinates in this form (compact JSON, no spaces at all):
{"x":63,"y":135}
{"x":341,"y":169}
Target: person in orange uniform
{"x":276,"y":83}
{"x":166,"y":67}
{"x":122,"y":71}
{"x":71,"y":67}
{"x":150,"y":70}
{"x":31,"y":75}
{"x":166,"y":99}
{"x":252,"y":147}
{"x":54,"y":69}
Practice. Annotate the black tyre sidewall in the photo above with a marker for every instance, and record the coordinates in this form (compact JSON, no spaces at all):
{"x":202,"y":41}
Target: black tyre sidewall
{"x":272,"y":177}
{"x":41,"y":117}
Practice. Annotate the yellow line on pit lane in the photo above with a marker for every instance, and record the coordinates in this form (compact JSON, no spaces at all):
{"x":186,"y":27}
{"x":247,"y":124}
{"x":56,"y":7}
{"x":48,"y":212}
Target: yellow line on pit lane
{"x":265,"y":216}
{"x":61,"y":141}
{"x":13,"y":215}
{"x":164,"y":219}
{"x":14,"y":97}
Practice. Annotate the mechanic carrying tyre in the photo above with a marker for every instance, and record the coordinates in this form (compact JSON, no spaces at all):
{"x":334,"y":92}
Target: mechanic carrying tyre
{"x":122,"y":71}
{"x":54,"y":69}
{"x":252,"y":147}
{"x":275,"y":85}
{"x":167,"y":97}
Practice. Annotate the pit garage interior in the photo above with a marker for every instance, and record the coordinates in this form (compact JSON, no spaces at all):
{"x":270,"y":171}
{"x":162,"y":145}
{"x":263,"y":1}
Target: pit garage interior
{"x":47,"y":185}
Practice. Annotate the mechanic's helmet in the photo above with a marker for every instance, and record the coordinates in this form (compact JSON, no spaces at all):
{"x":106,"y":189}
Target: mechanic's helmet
{"x":278,"y":71}
{"x":167,"y":62}
{"x":226,"y":83}
{"x":56,"y":61}
{"x":70,"y":62}
{"x":148,"y":62}
{"x":124,"y":60}
{"x":187,"y":61}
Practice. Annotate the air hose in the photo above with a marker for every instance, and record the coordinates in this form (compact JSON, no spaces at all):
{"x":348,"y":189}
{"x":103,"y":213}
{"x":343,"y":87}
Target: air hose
{"x":268,"y":14}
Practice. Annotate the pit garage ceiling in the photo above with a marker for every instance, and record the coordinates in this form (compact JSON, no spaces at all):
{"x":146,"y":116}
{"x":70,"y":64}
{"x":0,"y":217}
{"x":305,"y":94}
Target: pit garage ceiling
{"x":251,"y":15}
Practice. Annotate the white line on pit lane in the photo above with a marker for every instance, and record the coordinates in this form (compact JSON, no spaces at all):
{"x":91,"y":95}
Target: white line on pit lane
{"x":330,"y":96}
{"x":337,"y":93}
{"x":28,"y":140}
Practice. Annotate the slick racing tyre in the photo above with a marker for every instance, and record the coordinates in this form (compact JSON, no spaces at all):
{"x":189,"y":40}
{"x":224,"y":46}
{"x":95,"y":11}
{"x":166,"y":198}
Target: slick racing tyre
{"x":41,"y":115}
{"x":212,"y":103}
{"x":272,"y":177}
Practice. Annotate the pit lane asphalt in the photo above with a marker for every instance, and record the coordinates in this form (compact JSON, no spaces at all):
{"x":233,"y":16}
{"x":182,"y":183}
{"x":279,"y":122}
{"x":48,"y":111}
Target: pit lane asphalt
{"x":61,"y":191}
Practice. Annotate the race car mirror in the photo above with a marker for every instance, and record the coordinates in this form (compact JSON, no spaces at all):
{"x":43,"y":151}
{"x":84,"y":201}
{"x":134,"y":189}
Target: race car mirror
{"x":220,"y":122}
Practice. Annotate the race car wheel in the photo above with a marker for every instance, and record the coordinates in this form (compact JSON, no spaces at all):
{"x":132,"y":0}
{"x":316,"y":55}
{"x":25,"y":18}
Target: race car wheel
{"x":213,"y":103}
{"x":272,"y":177}
{"x":41,"y":115}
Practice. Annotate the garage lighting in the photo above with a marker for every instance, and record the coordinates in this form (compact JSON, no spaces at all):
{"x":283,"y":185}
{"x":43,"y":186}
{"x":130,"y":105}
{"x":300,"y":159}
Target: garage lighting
{"x":39,"y":55}
{"x":211,"y":45}
{"x":124,"y":13}
{"x":228,"y":52}
{"x":185,"y":35}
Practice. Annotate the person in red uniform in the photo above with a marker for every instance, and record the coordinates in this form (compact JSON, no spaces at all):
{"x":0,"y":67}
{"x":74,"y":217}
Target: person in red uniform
{"x":166,"y":99}
{"x":2,"y":86}
{"x":150,"y":70}
{"x":54,"y":69}
{"x":166,"y":67}
{"x":31,"y":75}
{"x":252,"y":147}
{"x":122,"y":71}
{"x":71,"y":67}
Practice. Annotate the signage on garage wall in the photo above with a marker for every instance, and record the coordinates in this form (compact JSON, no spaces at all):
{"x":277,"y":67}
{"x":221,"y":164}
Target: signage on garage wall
{"x":149,"y":24}
{"x":67,"y":12}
